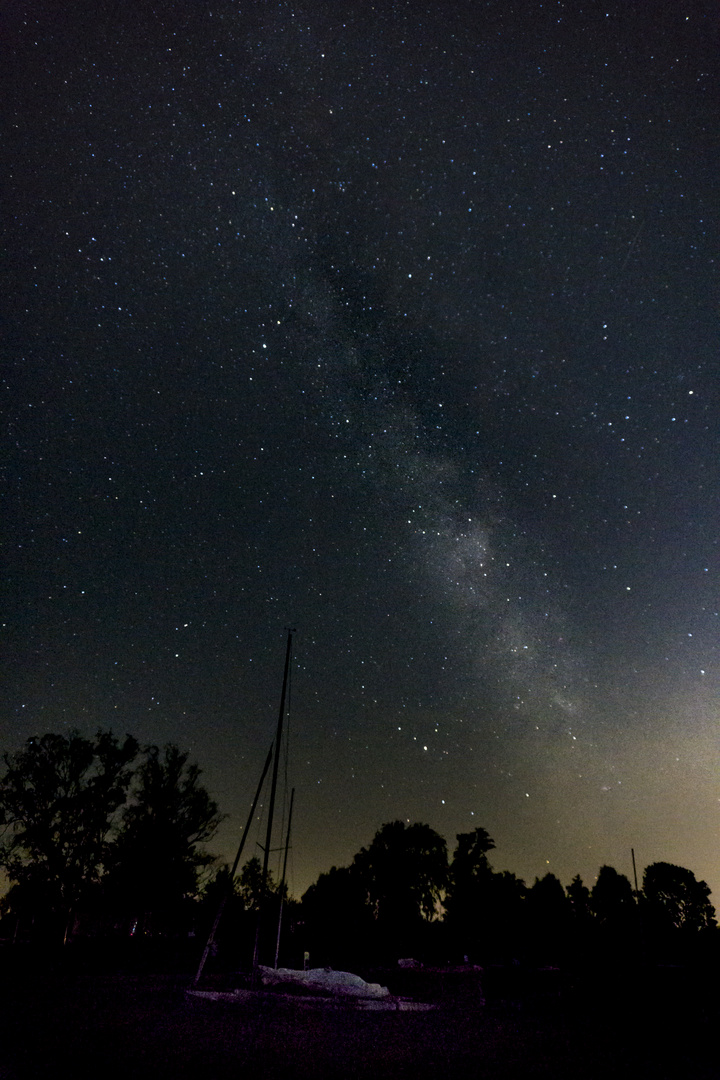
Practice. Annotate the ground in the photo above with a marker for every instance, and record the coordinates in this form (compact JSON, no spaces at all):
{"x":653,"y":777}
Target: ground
{"x":137,"y":1026}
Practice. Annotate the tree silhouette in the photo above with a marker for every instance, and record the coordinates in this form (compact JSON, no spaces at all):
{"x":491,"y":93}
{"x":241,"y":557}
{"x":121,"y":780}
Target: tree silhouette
{"x":581,"y":918}
{"x":675,"y":900}
{"x":506,"y":915}
{"x":249,"y":884}
{"x":157,"y":856}
{"x":470,"y":862}
{"x":549,"y":919}
{"x":617,"y":930}
{"x":469,"y":902}
{"x":579,"y":896}
{"x":58,"y":798}
{"x":404,"y":873}
{"x":612,"y":898}
{"x":240,"y":897}
{"x":337,"y":919}
{"x":399,"y":897}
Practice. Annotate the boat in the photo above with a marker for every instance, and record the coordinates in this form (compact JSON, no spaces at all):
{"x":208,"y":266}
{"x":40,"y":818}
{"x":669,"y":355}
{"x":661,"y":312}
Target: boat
{"x":274,"y":756}
{"x":316,"y":987}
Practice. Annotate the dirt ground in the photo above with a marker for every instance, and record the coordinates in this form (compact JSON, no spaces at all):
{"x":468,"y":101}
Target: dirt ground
{"x":130,"y":1026}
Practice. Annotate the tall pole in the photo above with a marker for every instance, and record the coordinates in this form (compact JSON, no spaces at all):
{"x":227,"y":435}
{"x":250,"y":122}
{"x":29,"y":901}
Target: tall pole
{"x":231,"y":879}
{"x":271,"y":808}
{"x":640,"y":925}
{"x":284,"y":873}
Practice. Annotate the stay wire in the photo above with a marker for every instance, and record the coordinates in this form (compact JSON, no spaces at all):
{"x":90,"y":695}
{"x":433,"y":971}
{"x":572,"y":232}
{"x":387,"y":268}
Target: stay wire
{"x":286,"y":785}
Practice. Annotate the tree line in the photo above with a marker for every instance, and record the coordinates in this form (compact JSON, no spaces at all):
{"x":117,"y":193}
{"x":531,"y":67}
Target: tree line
{"x":100,"y":832}
{"x":403,"y":896}
{"x":102,"y":837}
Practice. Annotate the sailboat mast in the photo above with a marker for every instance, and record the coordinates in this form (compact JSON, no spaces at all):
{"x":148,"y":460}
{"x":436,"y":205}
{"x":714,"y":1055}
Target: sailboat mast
{"x":273,"y":790}
{"x":284,"y":877}
{"x":231,"y":877}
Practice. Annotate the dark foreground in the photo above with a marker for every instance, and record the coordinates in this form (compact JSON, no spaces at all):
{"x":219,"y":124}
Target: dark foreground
{"x":660,"y":1023}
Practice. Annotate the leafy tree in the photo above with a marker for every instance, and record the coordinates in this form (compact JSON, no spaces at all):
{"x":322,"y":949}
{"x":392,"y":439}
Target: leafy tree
{"x":676,"y":899}
{"x":470,"y":862}
{"x":581,"y":917}
{"x":158,"y":856}
{"x":485,"y":909}
{"x":612,"y":899}
{"x":469,"y":899}
{"x":506,"y":915}
{"x":404,"y":869}
{"x":404,"y":873}
{"x":239,"y":898}
{"x":220,"y":887}
{"x":249,"y":884}
{"x":58,"y":798}
{"x":549,"y":915}
{"x":337,"y":919}
{"x":617,"y":929}
{"x":579,"y":896}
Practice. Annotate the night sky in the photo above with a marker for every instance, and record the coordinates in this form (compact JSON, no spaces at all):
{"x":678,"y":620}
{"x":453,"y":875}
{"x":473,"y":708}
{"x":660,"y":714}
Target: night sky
{"x":397,"y":324}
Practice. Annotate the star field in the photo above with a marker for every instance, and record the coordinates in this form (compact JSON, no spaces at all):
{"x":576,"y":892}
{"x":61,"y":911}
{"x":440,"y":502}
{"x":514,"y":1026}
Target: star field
{"x":397,"y":325}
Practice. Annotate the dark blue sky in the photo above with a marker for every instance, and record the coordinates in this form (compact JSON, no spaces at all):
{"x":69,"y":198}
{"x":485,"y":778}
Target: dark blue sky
{"x":398,"y":325}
